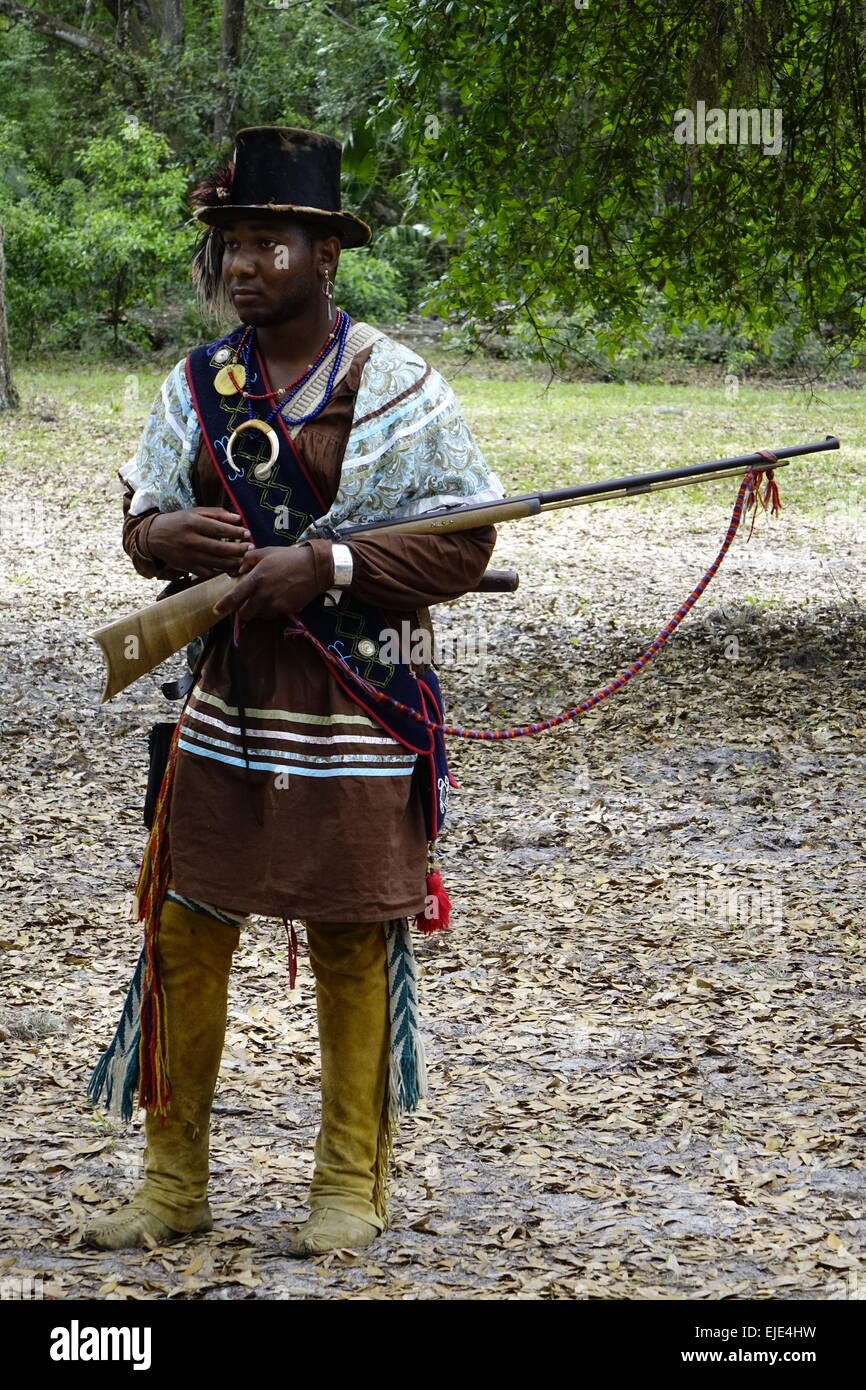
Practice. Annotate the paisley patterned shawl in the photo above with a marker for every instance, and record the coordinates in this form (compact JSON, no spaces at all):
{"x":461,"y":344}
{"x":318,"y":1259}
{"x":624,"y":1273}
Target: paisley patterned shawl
{"x":409,"y":449}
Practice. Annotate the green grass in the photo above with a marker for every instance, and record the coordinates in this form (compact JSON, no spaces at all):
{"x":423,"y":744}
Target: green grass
{"x":541,"y":437}
{"x":584,"y":432}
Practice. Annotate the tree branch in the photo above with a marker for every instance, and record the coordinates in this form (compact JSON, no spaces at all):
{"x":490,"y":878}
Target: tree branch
{"x":56,"y":29}
{"x":334,"y":15}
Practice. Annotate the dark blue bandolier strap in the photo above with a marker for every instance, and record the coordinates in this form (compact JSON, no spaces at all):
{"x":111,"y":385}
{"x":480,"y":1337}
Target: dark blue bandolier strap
{"x":276,"y":509}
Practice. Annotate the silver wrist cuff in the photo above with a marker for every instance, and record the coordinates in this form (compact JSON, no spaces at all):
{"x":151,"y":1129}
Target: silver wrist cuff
{"x":342,"y":559}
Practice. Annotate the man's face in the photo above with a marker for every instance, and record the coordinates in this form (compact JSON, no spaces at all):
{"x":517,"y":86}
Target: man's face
{"x":272,"y":271}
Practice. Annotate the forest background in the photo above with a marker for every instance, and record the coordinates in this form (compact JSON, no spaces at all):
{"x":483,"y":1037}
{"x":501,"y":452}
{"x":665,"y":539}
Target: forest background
{"x":518,"y":162}
{"x":645,"y":1025}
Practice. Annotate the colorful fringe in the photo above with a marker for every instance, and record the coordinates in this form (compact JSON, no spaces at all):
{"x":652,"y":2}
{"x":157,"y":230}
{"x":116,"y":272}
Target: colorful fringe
{"x":408,"y":1066}
{"x":137,"y":1056}
{"x":384,"y":1154}
{"x":407,"y":1071}
{"x":118,"y":1072}
{"x":114,"y":1080}
{"x":150,"y":891}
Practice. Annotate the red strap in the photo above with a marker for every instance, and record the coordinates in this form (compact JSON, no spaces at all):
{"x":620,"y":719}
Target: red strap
{"x":746,"y":496}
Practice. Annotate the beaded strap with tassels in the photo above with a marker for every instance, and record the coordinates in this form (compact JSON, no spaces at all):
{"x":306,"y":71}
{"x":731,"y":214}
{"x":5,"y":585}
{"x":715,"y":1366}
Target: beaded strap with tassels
{"x":748,"y":495}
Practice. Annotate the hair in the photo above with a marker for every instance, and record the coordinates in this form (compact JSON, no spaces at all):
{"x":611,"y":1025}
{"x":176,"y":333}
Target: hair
{"x":207,"y":263}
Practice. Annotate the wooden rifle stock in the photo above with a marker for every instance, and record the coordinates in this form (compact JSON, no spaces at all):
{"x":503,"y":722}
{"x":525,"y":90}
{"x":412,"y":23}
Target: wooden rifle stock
{"x":135,"y":644}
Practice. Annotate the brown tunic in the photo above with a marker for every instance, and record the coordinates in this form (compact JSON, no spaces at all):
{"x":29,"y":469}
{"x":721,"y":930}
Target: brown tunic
{"x":328,"y":825}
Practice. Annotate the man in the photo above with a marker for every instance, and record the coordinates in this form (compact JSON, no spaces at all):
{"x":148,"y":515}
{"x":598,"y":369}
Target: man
{"x":292,"y":789}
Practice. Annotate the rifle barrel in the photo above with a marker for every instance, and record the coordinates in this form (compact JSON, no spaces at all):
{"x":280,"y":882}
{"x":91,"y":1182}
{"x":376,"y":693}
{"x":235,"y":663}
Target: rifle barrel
{"x":451,"y":518}
{"x":530,"y":503}
{"x":722,"y":468}
{"x":613,"y":494}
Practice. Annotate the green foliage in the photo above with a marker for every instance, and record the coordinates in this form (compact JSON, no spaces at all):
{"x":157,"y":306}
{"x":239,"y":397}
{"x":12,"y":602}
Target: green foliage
{"x":486,"y":143}
{"x":537,"y":127}
{"x":369,"y":287}
{"x":417,"y":257}
{"x":36,"y":269}
{"x":124,"y":218}
{"x":82,"y":250}
{"x":578,"y":345}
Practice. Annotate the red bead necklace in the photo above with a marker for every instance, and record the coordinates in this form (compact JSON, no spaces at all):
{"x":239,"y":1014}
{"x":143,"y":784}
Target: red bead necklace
{"x":299,"y":381}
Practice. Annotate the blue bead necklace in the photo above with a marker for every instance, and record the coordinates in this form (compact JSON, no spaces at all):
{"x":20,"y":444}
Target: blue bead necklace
{"x":335,"y":343}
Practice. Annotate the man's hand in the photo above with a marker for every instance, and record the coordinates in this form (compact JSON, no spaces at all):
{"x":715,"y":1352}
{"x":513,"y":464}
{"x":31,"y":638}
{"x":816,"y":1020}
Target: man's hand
{"x":201,"y":540}
{"x":276,"y":581}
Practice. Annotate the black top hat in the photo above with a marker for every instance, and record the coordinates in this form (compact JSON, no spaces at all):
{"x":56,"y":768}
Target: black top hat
{"x":277,"y":169}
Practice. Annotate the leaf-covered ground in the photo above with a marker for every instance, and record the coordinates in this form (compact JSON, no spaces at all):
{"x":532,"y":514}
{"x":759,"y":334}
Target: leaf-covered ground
{"x":645,"y":1028}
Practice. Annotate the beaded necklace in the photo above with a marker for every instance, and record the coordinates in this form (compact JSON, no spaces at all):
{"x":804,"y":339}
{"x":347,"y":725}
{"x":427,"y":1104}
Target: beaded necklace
{"x":335,"y":342}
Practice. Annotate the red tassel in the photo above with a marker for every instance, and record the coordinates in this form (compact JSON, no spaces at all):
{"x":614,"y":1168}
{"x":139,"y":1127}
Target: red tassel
{"x":770,"y":500}
{"x":437,"y":906}
{"x":771,"y":494}
{"x":292,"y":941}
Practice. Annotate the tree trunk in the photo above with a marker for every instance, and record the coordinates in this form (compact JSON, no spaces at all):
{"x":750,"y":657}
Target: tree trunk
{"x":231,"y":38}
{"x":8,"y":394}
{"x":171,"y":35}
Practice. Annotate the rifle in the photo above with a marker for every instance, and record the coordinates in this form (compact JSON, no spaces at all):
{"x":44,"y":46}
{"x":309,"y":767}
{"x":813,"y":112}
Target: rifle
{"x":135,"y":644}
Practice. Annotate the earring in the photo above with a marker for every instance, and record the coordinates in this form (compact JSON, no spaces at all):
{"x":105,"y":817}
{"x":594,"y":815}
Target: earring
{"x":328,"y":287}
